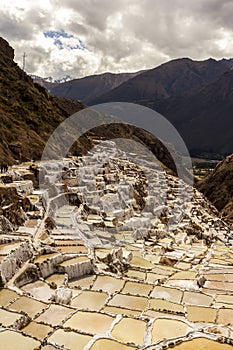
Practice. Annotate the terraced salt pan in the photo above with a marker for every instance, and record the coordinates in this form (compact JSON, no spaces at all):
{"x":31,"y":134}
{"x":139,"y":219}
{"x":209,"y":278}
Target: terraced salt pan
{"x":10,"y":340}
{"x":199,"y":299}
{"x":201,"y":314}
{"x":5,"y":249}
{"x":84,"y":282}
{"x":137,"y":288}
{"x":108,"y":344}
{"x":54,"y":315}
{"x":170,"y":294}
{"x":39,"y":290}
{"x":135,"y":274}
{"x":119,"y":311}
{"x":76,"y":260}
{"x":6,"y":296}
{"x":58,"y":279}
{"x":129,"y":330}
{"x":37,"y":330}
{"x":7,"y":318}
{"x":90,"y":300}
{"x":70,"y":340}
{"x":164,"y":328}
{"x":164,"y":305}
{"x":129,"y":302}
{"x":72,"y":249}
{"x":108,"y":284}
{"x":45,"y":257}
{"x":28,"y":305}
{"x":89,"y":322}
{"x":202,"y":344}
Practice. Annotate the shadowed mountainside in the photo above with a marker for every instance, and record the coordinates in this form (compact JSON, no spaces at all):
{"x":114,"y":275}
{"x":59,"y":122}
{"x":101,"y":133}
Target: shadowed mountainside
{"x":217,"y":187}
{"x":28,"y":113}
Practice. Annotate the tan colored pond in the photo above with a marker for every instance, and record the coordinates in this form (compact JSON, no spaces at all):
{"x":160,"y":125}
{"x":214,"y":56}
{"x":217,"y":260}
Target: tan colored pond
{"x":78,"y":249}
{"x":7,"y":318}
{"x":129,"y":302}
{"x":170,"y":294}
{"x":184,"y":275}
{"x":225,"y":316}
{"x":153,"y":277}
{"x":141,"y":263}
{"x":39,"y":290}
{"x":70,"y":340}
{"x":10,"y":340}
{"x":164,"y":328}
{"x":85,"y":282}
{"x":90,"y":300}
{"x":164,"y":305}
{"x":108,"y":284}
{"x":202,"y":344}
{"x":129,"y":330}
{"x":6,"y":248}
{"x":139,"y":275}
{"x":108,"y":344}
{"x":119,"y":311}
{"x":76,"y":260}
{"x":44,"y":257}
{"x":28,"y":305}
{"x":37,"y":330}
{"x":199,"y":299}
{"x":6,"y":296}
{"x":137,"y":288}
{"x":54,"y":315}
{"x":56,"y":278}
{"x":201,"y":314}
{"x":89,"y":322}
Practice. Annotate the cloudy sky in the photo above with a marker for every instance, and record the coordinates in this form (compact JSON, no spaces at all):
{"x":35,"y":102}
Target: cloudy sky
{"x":83,"y":37}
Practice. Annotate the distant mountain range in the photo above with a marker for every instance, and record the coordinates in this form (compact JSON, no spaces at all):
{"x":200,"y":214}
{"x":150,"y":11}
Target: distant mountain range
{"x":92,"y":87}
{"x":196,"y":96}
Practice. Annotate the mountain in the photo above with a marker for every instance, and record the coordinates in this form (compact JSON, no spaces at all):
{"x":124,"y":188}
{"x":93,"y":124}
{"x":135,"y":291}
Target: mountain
{"x":203,"y":118}
{"x":195,"y":96}
{"x":217,"y":187}
{"x":28,"y":114}
{"x":88,"y":88}
{"x":49,"y":82}
{"x":175,"y":78}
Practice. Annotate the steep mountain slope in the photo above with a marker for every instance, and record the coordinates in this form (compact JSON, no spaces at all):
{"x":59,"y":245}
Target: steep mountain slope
{"x":174,"y":78}
{"x":218,"y":187}
{"x":28,"y":114}
{"x":195,"y":96}
{"x":91,"y":87}
{"x":204,"y":119}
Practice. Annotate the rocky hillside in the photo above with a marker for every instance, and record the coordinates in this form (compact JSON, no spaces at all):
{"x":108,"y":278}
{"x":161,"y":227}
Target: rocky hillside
{"x":28,"y":114}
{"x":218,"y":188}
{"x":193,"y":96}
{"x":204,"y":118}
{"x":90,"y":88}
{"x":174,"y":78}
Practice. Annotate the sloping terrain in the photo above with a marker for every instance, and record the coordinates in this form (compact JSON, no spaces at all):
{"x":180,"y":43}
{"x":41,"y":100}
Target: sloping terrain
{"x":28,"y":114}
{"x":92,"y":87}
{"x":114,"y":268}
{"x":174,"y":78}
{"x":218,"y":187}
{"x":195,"y":96}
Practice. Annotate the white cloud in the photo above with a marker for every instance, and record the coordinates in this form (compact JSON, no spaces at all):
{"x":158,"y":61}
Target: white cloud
{"x":119,"y":35}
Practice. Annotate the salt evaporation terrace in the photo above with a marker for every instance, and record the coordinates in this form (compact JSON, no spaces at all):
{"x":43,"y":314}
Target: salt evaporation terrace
{"x":112,"y":261}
